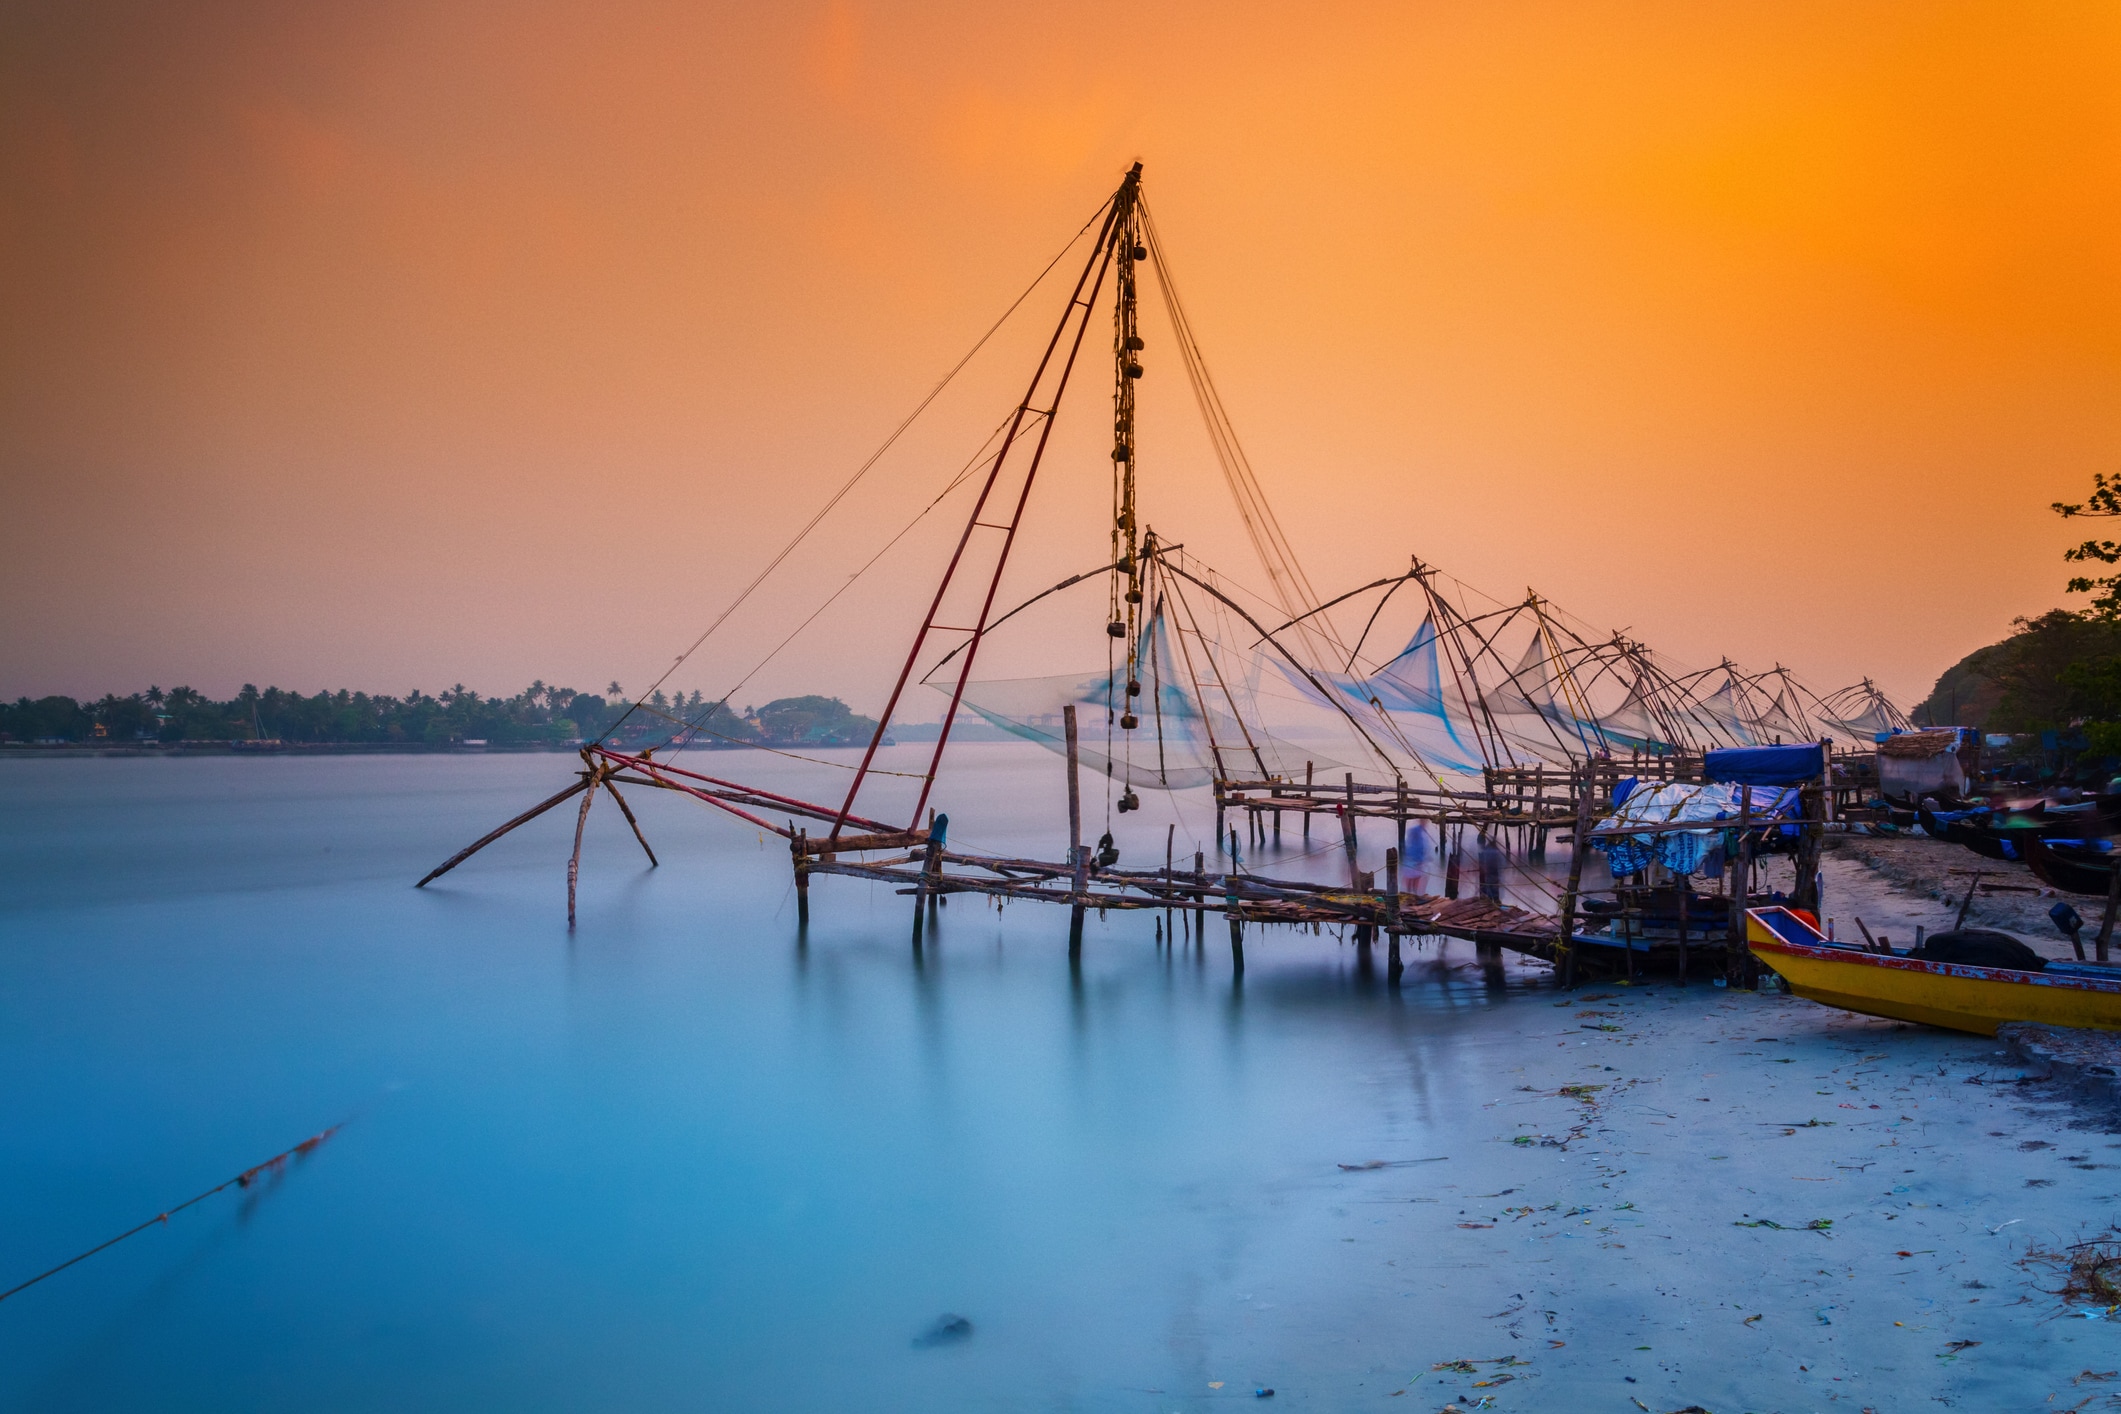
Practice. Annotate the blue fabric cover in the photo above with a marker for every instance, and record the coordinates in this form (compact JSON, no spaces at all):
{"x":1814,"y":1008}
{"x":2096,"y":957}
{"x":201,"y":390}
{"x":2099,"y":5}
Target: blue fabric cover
{"x":1766,"y":765}
{"x":1682,"y":851}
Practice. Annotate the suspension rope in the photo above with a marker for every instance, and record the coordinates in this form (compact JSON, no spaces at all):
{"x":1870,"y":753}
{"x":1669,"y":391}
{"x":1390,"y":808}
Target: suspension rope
{"x":863,"y":469}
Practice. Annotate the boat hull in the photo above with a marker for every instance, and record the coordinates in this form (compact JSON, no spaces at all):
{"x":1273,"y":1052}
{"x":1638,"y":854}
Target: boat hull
{"x":1951,"y":995}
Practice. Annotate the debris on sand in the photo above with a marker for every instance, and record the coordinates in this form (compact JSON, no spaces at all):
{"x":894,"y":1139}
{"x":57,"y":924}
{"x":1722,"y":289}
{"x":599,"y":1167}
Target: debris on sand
{"x":2090,"y":1271}
{"x":1818,"y":1225}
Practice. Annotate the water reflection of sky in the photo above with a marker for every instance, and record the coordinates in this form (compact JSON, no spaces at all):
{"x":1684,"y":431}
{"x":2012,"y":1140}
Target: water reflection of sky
{"x":681,"y":1157}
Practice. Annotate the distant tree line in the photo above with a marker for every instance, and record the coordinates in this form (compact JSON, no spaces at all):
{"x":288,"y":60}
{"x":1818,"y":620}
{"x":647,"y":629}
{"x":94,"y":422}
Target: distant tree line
{"x":540,"y":715}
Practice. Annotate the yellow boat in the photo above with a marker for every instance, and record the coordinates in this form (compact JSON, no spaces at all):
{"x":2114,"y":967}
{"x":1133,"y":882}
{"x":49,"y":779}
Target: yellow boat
{"x":1948,"y":994}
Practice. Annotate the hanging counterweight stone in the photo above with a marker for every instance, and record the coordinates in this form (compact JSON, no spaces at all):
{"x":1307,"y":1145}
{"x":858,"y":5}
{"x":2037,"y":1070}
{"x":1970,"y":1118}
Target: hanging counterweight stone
{"x":1134,"y":370}
{"x":1134,"y":596}
{"x":1134,"y":341}
{"x":1116,"y":629}
{"x":1141,"y":252}
{"x":1120,"y":454}
{"x":1134,"y":687}
{"x":1129,"y":722}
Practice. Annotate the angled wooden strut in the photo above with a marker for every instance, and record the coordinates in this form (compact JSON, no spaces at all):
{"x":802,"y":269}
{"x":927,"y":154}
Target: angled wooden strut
{"x":484,"y":840}
{"x":627,"y":811}
{"x":596,"y":773}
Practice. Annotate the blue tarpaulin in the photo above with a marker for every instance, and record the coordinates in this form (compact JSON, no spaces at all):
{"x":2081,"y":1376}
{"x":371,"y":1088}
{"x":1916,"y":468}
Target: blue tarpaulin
{"x":1767,"y":765}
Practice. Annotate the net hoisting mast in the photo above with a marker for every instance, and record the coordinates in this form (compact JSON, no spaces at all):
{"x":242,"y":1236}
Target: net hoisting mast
{"x":1008,"y":486}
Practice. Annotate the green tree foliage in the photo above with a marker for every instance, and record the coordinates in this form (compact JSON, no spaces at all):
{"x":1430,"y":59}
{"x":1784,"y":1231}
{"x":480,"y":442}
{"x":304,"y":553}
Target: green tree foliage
{"x":2059,"y":670}
{"x":2104,"y":502}
{"x":813,"y":721}
{"x":540,"y":715}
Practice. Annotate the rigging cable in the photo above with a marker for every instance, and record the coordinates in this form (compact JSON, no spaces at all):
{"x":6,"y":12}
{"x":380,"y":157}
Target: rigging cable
{"x":863,"y":469}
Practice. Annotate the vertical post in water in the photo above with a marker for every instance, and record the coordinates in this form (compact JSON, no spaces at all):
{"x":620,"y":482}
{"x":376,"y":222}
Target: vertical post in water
{"x":1454,"y":847}
{"x":1347,"y":833}
{"x":1170,"y":835}
{"x":1399,"y":816}
{"x":1307,"y":800}
{"x":1393,"y":967}
{"x":1077,"y":881}
{"x":799,"y":846}
{"x":1200,"y":899}
{"x":1735,"y":952}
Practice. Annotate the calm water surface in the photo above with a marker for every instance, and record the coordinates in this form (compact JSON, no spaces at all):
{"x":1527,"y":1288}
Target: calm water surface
{"x":685,"y":1157}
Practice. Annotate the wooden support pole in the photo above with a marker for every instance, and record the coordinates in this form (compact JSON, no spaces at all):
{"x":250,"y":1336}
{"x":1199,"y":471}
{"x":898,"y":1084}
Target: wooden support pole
{"x":1454,"y":845}
{"x":1805,"y":892}
{"x":1077,"y":861}
{"x":1237,"y":925}
{"x":1170,"y":837}
{"x":1736,"y":956}
{"x":1200,"y":898}
{"x":625,"y":810}
{"x":799,"y":846}
{"x":574,"y":861}
{"x":2113,"y":905}
{"x":484,"y":840}
{"x":1686,"y":886}
{"x":1393,"y":966}
{"x":1347,"y":833}
{"x":1565,"y":944}
{"x":1307,"y":795}
{"x":1399,"y":817}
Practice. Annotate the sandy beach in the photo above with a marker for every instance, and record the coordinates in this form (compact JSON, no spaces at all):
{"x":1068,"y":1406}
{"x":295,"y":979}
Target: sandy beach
{"x":1697,"y":1197}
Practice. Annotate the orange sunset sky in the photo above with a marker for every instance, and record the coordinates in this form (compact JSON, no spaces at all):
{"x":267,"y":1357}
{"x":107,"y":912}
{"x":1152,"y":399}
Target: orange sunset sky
{"x":401,"y":344}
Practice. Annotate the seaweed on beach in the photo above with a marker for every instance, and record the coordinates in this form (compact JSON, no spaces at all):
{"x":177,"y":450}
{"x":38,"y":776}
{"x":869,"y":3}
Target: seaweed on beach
{"x":2090,"y":1271}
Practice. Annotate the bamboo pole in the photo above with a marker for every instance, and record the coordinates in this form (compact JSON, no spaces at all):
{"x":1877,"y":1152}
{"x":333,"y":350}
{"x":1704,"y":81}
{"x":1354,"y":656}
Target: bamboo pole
{"x":1200,"y":898}
{"x":574,"y":861}
{"x":1170,"y":836}
{"x":1736,"y":956}
{"x":1076,"y":861}
{"x":1347,"y":834}
{"x":627,"y":811}
{"x":1393,"y":967}
{"x":484,"y":840}
{"x":1566,"y":943}
{"x":2113,"y":905}
{"x":1686,"y":886}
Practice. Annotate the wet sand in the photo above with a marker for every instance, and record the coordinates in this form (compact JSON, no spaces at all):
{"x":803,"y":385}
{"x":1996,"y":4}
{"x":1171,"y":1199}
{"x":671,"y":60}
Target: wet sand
{"x":1893,"y":884}
{"x":1754,"y":1202}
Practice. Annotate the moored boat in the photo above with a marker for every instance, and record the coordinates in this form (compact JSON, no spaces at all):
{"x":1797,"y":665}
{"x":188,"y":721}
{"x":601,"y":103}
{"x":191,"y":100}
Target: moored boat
{"x":1958,"y":996}
{"x":2073,"y":866}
